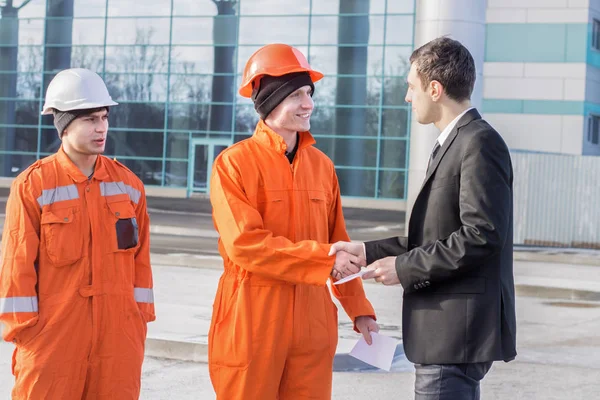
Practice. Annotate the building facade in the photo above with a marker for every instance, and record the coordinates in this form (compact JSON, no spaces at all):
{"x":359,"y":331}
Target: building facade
{"x":174,"y":66}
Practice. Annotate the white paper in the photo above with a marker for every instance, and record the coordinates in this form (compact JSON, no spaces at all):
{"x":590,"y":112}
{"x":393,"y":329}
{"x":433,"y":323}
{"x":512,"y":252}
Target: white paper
{"x":353,"y":276}
{"x":379,"y":354}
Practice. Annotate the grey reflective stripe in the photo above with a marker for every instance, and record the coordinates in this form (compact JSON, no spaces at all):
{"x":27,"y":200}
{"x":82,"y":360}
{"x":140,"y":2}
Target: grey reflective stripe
{"x":115,"y":188}
{"x":11,"y":305}
{"x":61,"y":193}
{"x":143,"y":295}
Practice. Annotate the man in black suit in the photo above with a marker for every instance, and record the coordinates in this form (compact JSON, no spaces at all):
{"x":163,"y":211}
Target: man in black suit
{"x":456,"y":265}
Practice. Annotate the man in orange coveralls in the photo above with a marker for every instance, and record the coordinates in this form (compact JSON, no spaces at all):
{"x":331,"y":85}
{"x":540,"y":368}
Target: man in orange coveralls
{"x":75,"y":279}
{"x":276,"y":205}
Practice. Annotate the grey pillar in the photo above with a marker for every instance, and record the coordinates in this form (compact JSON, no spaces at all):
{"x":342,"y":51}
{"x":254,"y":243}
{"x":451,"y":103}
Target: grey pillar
{"x":463,"y":20}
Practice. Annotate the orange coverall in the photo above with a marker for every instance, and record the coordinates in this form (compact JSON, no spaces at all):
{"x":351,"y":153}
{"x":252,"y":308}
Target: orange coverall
{"x":274,"y":326}
{"x":75,"y":289}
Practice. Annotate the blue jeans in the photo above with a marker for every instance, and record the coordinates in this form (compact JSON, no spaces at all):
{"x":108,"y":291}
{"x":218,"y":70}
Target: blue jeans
{"x":449,"y":381}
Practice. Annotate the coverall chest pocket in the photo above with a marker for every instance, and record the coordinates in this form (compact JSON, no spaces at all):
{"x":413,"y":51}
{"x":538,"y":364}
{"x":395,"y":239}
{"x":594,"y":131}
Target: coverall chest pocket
{"x":318,"y":209}
{"x":62,"y":235}
{"x":123,"y":227}
{"x":273,"y":208}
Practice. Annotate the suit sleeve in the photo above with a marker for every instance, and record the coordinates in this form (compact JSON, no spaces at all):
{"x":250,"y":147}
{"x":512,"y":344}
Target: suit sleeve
{"x":254,"y":248}
{"x":378,"y":249}
{"x":350,"y":294}
{"x":20,"y":248}
{"x":143,"y":286}
{"x":485,"y":204}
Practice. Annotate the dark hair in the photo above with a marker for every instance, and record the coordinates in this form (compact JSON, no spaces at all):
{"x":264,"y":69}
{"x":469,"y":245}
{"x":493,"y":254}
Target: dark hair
{"x":448,"y":62}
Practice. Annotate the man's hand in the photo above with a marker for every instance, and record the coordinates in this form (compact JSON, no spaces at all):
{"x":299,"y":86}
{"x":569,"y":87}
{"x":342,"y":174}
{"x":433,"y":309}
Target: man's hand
{"x":366,"y":325}
{"x":384,"y":271}
{"x":356,"y":248}
{"x":345,"y":264}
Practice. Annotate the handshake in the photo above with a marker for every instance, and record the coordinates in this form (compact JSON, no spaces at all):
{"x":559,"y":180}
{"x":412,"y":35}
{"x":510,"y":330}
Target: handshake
{"x":350,"y":257}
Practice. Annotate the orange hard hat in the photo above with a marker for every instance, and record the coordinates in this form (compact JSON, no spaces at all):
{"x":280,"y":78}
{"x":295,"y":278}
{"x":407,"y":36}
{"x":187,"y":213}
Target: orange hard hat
{"x":275,"y":60}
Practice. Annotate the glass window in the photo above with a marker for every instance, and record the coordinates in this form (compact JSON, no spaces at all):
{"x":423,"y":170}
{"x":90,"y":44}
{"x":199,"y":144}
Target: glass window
{"x":399,"y":29}
{"x":125,"y":8}
{"x":28,"y":86}
{"x":274,"y":7}
{"x":30,"y":58}
{"x":394,"y":91}
{"x":192,"y":59}
{"x":140,"y":31}
{"x":87,"y":31}
{"x":25,"y":112}
{"x":190,"y":88}
{"x":178,"y":145}
{"x":246,"y":119}
{"x":397,"y":60}
{"x":399,"y":6}
{"x":89,"y":8}
{"x":138,"y":59}
{"x":392,"y":154}
{"x":189,"y":117}
{"x":348,"y":90}
{"x":394,"y":122}
{"x":354,"y":152}
{"x":325,"y":7}
{"x":594,"y":129}
{"x":149,"y":171}
{"x":392,"y":184}
{"x":290,"y":30}
{"x":346,"y":121}
{"x":134,"y":144}
{"x":176,"y":173}
{"x":137,"y":115}
{"x":12,"y":165}
{"x":596,"y":34}
{"x":33,"y":9}
{"x":31,"y":31}
{"x":25,"y":139}
{"x":49,"y":140}
{"x":356,"y":182}
{"x":91,"y":57}
{"x":194,"y":8}
{"x":194,"y":30}
{"x":147,"y":88}
{"x":9,"y":86}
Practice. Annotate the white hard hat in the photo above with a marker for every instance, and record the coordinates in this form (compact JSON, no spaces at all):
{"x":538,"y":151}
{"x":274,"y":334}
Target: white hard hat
{"x":76,"y":89}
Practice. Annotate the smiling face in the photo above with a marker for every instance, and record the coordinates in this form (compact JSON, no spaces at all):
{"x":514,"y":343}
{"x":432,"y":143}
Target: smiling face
{"x":86,"y":135}
{"x":293,"y":114}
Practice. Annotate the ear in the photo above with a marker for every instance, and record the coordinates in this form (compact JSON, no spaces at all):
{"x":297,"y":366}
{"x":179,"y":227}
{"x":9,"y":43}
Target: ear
{"x":435,"y":90}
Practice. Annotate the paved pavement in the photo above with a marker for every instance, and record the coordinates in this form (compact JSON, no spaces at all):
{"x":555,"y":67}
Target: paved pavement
{"x":558,"y":316}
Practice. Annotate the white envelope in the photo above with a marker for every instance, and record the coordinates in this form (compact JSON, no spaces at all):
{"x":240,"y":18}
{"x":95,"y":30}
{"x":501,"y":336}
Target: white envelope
{"x":351,"y":277}
{"x":379,"y":354}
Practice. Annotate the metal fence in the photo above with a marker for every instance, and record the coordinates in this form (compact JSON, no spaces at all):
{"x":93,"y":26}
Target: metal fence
{"x":556,"y":200}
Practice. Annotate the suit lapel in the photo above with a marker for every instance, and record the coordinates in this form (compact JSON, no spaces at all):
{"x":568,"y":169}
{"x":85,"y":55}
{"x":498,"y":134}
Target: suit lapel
{"x":465,"y":119}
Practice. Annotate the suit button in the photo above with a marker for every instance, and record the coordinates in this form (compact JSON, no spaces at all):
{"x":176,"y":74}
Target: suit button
{"x":427,"y":283}
{"x":416,"y":286}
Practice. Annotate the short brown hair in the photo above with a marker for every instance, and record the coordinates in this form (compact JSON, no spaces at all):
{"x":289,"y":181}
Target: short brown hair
{"x":450,"y":63}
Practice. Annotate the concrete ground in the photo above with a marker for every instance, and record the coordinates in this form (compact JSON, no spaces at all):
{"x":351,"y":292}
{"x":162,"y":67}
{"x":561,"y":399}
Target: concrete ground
{"x":558,"y":312}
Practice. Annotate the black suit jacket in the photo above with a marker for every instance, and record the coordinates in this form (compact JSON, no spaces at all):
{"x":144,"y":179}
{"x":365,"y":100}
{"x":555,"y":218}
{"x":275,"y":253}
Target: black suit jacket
{"x":456,"y":265}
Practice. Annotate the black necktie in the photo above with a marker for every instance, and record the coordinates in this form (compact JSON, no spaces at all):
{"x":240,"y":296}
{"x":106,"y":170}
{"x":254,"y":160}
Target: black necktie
{"x":435,"y":150}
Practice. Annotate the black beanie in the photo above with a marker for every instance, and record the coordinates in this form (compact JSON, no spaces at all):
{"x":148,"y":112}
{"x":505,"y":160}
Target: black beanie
{"x":274,"y":89}
{"x":62,"y":119}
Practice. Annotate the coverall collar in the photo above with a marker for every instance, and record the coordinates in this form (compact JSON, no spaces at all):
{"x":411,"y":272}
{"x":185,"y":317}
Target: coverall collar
{"x":267,"y":137}
{"x":100,"y":172}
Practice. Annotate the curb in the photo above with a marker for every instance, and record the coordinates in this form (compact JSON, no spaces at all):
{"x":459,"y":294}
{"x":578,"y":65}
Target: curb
{"x":176,"y":350}
{"x":581,"y":258}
